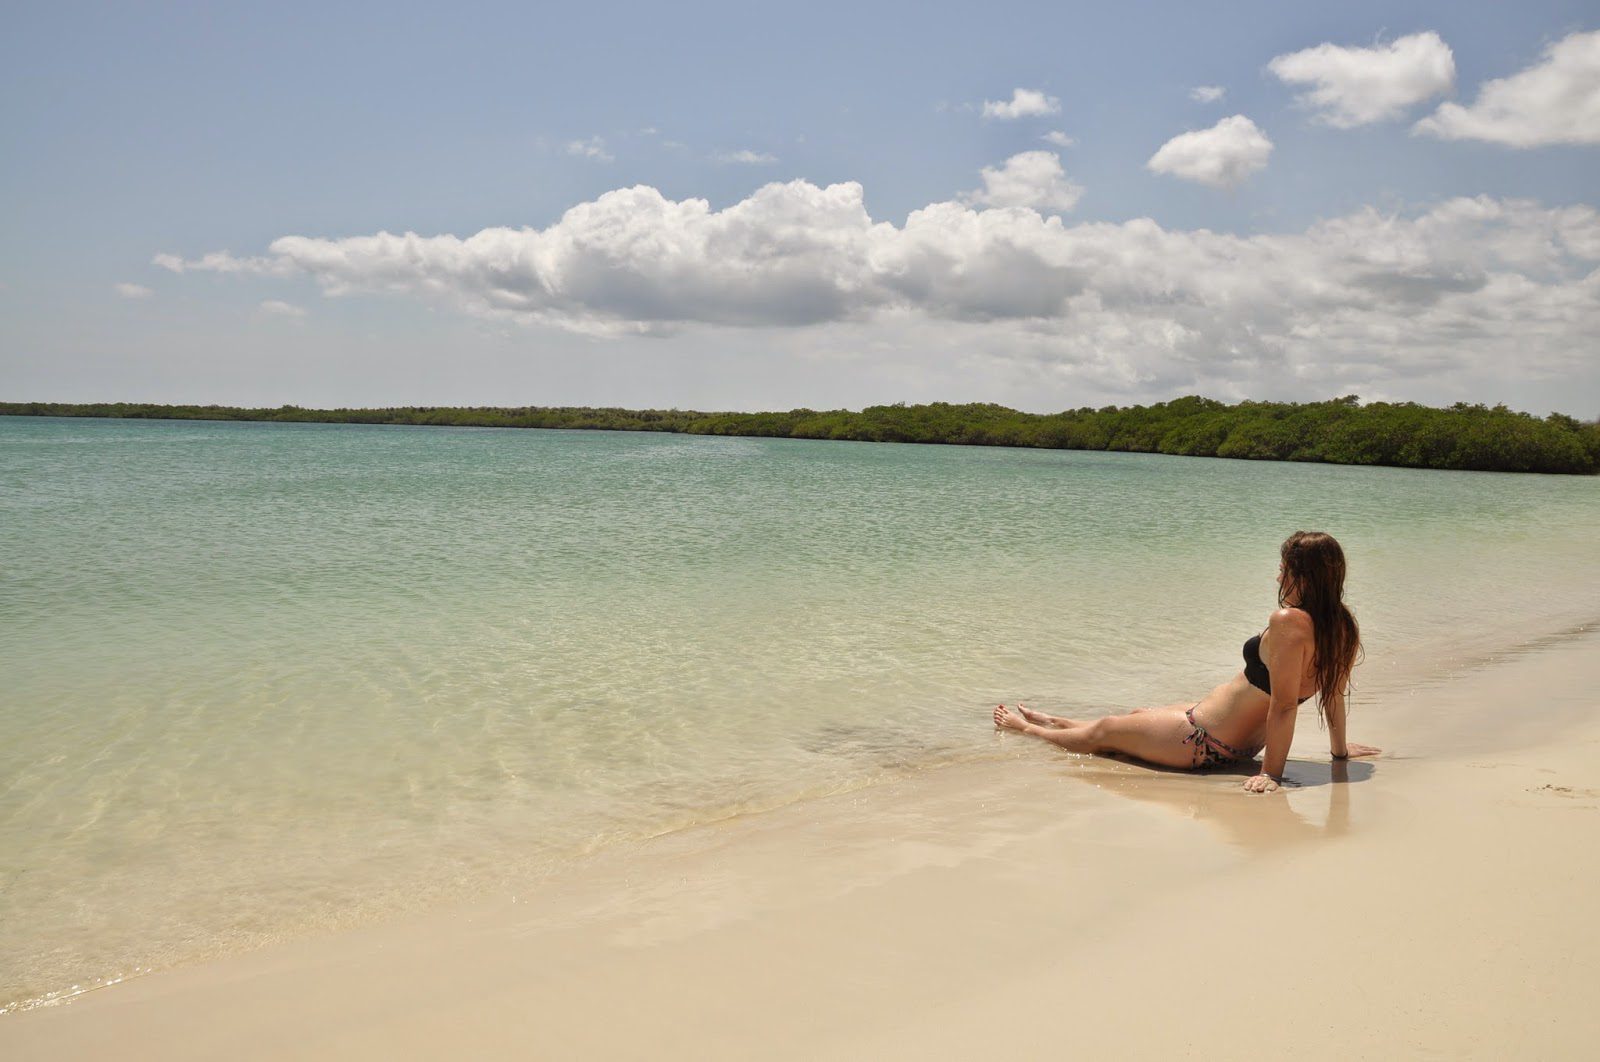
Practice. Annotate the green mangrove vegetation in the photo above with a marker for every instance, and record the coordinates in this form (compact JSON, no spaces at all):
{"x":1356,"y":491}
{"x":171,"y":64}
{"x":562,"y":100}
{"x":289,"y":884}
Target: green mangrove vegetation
{"x":1339,"y":431}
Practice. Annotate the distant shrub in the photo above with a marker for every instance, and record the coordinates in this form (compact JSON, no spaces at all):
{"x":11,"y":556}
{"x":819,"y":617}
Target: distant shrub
{"x":1338,"y":431}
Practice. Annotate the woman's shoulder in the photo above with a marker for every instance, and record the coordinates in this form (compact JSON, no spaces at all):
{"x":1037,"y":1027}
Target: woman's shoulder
{"x":1290,"y":622}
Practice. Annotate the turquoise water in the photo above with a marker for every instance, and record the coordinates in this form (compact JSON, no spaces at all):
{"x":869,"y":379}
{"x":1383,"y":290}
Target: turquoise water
{"x":262,"y":679}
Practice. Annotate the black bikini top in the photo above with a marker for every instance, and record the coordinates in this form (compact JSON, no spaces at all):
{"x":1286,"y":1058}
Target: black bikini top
{"x":1255,"y":672}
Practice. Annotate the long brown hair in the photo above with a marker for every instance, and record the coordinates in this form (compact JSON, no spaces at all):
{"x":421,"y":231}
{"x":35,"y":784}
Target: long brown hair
{"x":1313,"y":564}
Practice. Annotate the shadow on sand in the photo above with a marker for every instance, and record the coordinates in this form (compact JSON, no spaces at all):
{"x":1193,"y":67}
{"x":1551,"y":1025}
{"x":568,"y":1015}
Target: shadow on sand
{"x":1217,"y":797}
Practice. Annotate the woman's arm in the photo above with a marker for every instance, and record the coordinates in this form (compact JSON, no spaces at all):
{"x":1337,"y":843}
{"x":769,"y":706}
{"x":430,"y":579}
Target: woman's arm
{"x":1291,"y":634}
{"x":1333,"y":710}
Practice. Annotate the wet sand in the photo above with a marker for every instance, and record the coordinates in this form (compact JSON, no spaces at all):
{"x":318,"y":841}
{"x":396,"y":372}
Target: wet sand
{"x":1435,"y":901}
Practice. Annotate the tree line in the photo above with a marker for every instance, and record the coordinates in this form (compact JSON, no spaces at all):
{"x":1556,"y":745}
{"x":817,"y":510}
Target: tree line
{"x":1339,"y":431}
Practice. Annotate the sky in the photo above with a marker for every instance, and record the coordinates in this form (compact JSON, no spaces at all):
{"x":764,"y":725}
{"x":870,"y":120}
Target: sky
{"x":736,"y":206}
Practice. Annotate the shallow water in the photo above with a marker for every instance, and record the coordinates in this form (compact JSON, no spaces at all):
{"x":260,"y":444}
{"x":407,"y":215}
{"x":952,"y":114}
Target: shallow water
{"x":260,"y":679}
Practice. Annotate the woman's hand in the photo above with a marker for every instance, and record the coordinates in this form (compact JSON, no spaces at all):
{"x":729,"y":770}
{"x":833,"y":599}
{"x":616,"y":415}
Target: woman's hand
{"x":1354,"y":749}
{"x":1261,"y":783}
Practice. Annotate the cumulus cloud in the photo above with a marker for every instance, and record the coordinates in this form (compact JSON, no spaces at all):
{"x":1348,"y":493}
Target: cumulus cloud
{"x":592,"y":148}
{"x":1058,"y":138}
{"x":1357,"y":86}
{"x":1024,"y":103}
{"x":1207,"y":93}
{"x":1033,"y":179}
{"x":745,"y":157}
{"x":279,"y":308}
{"x":132,"y":291}
{"x":1356,"y":302}
{"x":1556,"y":101}
{"x":1222,"y":156}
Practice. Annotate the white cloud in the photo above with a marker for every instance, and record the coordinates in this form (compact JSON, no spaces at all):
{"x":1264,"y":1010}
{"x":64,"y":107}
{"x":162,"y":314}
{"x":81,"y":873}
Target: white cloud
{"x":1556,"y":101}
{"x":1033,"y":179}
{"x":592,"y":148}
{"x":279,"y":308}
{"x":1357,"y":86}
{"x":1207,"y":93}
{"x":1363,"y":302}
{"x":745,"y":157}
{"x":1222,"y":156}
{"x":1058,"y":138}
{"x":222,"y":262}
{"x":132,"y":291}
{"x":1024,"y":103}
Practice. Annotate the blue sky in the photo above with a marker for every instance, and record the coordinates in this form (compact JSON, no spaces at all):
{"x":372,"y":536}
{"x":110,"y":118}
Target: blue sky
{"x":1293,"y":249}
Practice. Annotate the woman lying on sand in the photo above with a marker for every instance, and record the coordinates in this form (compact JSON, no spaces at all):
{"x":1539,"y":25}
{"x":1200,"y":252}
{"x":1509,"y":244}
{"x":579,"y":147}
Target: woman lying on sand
{"x":1310,"y":644}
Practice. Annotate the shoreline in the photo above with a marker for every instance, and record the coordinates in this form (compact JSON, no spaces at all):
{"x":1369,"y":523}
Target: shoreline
{"x":1338,"y":431}
{"x":1429,"y":665}
{"x":930,"y":914}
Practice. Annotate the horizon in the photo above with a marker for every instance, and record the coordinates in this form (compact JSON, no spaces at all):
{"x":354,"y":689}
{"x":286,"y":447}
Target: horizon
{"x":717,"y":209}
{"x":860,"y":408}
{"x":845,"y":408}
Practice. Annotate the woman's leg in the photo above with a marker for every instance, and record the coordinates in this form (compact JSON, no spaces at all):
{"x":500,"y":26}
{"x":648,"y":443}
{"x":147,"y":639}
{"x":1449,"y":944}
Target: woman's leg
{"x":1155,"y":736}
{"x":1056,"y":722}
{"x":1045,"y":719}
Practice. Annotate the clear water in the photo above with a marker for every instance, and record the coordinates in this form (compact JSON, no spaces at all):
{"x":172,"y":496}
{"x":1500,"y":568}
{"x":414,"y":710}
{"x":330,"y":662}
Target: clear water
{"x":260,"y":679}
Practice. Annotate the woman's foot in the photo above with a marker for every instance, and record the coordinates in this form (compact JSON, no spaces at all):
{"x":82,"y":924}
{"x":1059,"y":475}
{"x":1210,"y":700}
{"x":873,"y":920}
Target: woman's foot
{"x":1005,"y":717}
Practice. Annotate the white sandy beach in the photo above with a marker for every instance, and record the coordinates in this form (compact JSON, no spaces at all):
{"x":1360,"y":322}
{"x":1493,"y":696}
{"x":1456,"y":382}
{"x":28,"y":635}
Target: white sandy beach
{"x":1437,"y":906}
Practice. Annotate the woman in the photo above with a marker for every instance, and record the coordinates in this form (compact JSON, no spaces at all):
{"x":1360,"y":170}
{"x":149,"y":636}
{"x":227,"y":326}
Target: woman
{"x":1310,"y":646}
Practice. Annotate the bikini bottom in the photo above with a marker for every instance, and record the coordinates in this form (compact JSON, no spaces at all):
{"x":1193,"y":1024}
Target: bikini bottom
{"x":1208,"y":750}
